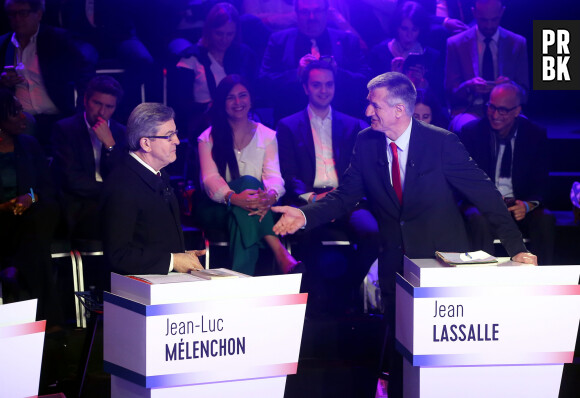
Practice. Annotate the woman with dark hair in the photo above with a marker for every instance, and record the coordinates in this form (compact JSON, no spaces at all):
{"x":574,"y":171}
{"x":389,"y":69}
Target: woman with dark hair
{"x":218,"y":53}
{"x":409,"y":26}
{"x":240,"y":173}
{"x":429,"y":110}
{"x":28,"y":213}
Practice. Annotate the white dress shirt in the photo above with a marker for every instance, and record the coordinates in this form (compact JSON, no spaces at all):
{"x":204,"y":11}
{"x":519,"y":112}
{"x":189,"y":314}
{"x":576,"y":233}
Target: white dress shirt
{"x":201,"y":92}
{"x":493,"y":46}
{"x":258,"y":159}
{"x":32,"y":92}
{"x":403,"y":151}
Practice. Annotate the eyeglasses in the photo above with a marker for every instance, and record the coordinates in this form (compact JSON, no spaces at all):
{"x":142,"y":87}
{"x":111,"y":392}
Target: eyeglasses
{"x":19,"y":13}
{"x":167,"y":137}
{"x":500,"y":109}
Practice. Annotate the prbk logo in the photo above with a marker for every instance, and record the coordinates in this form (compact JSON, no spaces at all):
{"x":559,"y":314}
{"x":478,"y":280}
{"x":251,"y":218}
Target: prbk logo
{"x":556,"y":56}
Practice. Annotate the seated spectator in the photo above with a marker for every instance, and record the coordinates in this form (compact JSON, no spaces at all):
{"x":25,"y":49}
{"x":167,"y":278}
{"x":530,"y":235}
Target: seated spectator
{"x":409,"y":27}
{"x":87,"y":147}
{"x":42,"y":66}
{"x":218,"y":53}
{"x":429,"y":110}
{"x":28,"y":214}
{"x":315,"y":148}
{"x":512,"y":151}
{"x":139,"y":211}
{"x":240,"y":174}
{"x":287,"y":49}
{"x":481,"y":58}
{"x":106,"y":30}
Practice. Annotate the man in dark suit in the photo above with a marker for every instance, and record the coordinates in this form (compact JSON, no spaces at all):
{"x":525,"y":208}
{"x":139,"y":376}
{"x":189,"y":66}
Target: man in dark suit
{"x":479,"y":59}
{"x":409,"y":172}
{"x":315,"y":146}
{"x":513,"y":153}
{"x":87,"y":147}
{"x":45,"y":67}
{"x":139,"y":211}
{"x":286,"y":49}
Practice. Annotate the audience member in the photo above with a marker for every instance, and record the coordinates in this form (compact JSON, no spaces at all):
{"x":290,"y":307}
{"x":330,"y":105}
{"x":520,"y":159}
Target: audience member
{"x":409,"y":27}
{"x":240,"y":174}
{"x":139,"y":212}
{"x":414,"y":204}
{"x":42,"y":66}
{"x":106,"y":31}
{"x":479,"y":59}
{"x":513,"y":152}
{"x":87,"y":147}
{"x":429,"y":110}
{"x":28,"y":214}
{"x":312,"y":38}
{"x":315,"y":149}
{"x":218,"y":53}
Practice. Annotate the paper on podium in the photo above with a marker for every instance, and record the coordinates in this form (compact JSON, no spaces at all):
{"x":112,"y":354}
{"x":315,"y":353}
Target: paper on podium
{"x":193,"y":276}
{"x":467,"y":258}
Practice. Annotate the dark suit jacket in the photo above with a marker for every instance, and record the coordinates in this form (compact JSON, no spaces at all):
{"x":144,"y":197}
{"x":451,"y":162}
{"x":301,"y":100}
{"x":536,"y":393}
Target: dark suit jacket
{"x":74,"y":158}
{"x":62,"y":65}
{"x":462,"y":62}
{"x":530,"y":156}
{"x":429,"y":219}
{"x":32,"y":170}
{"x":140,"y":220}
{"x":297,"y":153}
{"x":279,"y":78}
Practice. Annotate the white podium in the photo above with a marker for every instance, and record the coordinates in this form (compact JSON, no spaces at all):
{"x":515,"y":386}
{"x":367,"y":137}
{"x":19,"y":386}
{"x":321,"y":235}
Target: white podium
{"x":486,"y":331}
{"x":21,"y":345}
{"x":216,"y":338}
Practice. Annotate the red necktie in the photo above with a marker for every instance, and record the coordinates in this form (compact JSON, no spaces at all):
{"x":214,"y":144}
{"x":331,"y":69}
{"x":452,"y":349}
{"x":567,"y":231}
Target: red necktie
{"x":395,"y":172}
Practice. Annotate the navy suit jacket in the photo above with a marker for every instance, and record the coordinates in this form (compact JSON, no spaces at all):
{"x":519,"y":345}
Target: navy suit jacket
{"x":279,"y":78}
{"x":462,"y":62}
{"x":429,"y":219}
{"x":62,"y":65}
{"x":140,"y":220}
{"x":297,"y":153}
{"x":74,"y":159}
{"x":530,"y":169}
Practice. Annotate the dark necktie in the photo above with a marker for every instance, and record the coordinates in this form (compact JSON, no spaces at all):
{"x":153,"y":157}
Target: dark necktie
{"x":395,"y":172}
{"x":487,"y":65}
{"x":506,"y":160}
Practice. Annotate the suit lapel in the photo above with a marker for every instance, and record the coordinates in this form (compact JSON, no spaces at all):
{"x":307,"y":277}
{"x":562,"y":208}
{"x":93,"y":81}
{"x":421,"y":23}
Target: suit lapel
{"x":416,"y":153}
{"x":474,"y":53}
{"x":384,"y":169}
{"x":337,"y":137}
{"x":306,"y":131}
{"x":86,"y":145}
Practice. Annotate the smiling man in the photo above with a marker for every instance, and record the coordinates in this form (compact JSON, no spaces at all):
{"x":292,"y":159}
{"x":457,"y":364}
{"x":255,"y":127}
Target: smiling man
{"x":315,"y":146}
{"x":87,"y":147}
{"x":512,"y":151}
{"x":141,"y":228}
{"x":409,"y":172}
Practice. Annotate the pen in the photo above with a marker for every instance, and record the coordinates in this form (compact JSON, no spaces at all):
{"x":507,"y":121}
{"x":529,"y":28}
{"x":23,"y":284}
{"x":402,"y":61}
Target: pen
{"x":32,"y":195}
{"x":468,"y":255}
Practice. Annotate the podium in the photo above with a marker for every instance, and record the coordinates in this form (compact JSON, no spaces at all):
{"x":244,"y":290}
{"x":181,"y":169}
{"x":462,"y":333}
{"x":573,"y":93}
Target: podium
{"x":485,"y":331}
{"x":21,"y":345}
{"x":213,"y":338}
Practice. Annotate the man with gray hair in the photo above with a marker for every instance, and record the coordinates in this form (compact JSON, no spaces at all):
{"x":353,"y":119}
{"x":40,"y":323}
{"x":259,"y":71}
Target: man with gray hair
{"x":409,"y":172}
{"x":140,"y":215}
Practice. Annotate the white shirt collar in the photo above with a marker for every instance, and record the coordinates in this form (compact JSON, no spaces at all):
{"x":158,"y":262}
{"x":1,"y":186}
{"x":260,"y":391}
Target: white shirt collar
{"x":14,"y":40}
{"x":481,"y":37}
{"x":311,"y":114}
{"x":151,"y":169}
{"x":403,"y":141}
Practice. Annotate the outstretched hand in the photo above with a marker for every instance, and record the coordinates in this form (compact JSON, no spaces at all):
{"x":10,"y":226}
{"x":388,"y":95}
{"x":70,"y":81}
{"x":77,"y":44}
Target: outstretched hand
{"x":526,"y":258}
{"x":292,"y":220}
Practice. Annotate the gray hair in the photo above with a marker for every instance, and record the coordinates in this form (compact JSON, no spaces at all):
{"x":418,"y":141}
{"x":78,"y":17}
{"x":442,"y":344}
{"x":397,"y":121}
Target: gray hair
{"x":145,"y":120}
{"x":513,"y":88}
{"x":401,"y":90}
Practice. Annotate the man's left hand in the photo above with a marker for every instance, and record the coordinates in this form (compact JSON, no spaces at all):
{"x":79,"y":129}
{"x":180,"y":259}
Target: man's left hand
{"x":526,"y":258}
{"x":518,"y":210}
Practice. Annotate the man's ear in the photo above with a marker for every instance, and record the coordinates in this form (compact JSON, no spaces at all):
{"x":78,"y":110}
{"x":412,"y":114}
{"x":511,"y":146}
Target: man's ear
{"x":400,"y":108}
{"x":145,"y":144}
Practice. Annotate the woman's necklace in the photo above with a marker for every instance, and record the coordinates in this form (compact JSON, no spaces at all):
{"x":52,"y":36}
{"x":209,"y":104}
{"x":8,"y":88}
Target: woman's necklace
{"x":242,"y":139}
